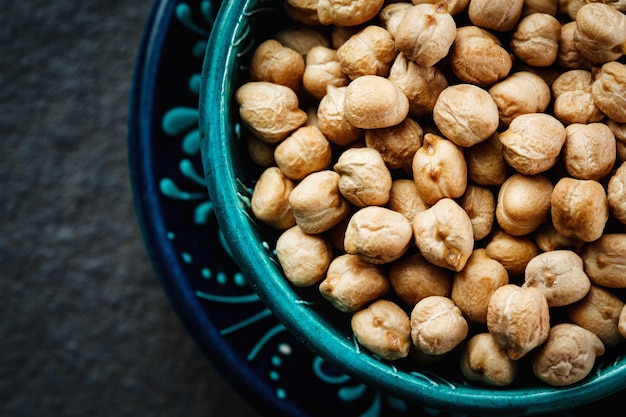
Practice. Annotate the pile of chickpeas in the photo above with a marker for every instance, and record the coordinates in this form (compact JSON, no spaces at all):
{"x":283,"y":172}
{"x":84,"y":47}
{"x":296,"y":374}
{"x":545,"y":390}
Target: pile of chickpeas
{"x":451,"y":175}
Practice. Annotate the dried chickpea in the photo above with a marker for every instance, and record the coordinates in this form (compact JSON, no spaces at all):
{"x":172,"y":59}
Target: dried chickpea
{"x":332,"y":120}
{"x":513,"y":252}
{"x":616,"y":193}
{"x":396,"y":144}
{"x":413,"y":278}
{"x":518,"y":318}
{"x":278,"y":64}
{"x":303,"y":11}
{"x":478,"y":57}
{"x":532,"y":143}
{"x":302,"y":39}
{"x":437,"y":325}
{"x":483,"y":360}
{"x":421,"y":85}
{"x":609,"y":90}
{"x":347,"y":12}
{"x":317,"y":203}
{"x":619,"y":131}
{"x":466,"y":114}
{"x":536,"y":39}
{"x":579,"y":208}
{"x":600,"y":34}
{"x":364,"y":178}
{"x":304,"y":258}
{"x":520,"y":93}
{"x":368,"y":52}
{"x":480,"y":205}
{"x":351,"y":283}
{"x":540,"y":6}
{"x":261,"y":153}
{"x":604,"y":260}
{"x":548,"y":239}
{"x":473,"y":285}
{"x":304,"y":151}
{"x":426,"y":33}
{"x":498,"y":15}
{"x":404,"y":198}
{"x":599,"y":312}
{"x":622,"y":322}
{"x":568,"y":355}
{"x":568,"y":56}
{"x":573,"y":101}
{"x":524,"y":203}
{"x":322,"y":69}
{"x":485,"y":162}
{"x":392,"y":13}
{"x":269,"y":110}
{"x":559,"y":275}
{"x":454,"y":6}
{"x":270,"y":199}
{"x":443,"y":234}
{"x":378,"y":235}
{"x":589,"y":151}
{"x":340,"y":34}
{"x":373,"y":102}
{"x":439,"y":169}
{"x":384,"y":329}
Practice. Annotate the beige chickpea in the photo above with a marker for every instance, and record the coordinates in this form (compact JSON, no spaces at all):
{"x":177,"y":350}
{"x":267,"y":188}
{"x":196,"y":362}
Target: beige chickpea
{"x":513,"y":252}
{"x":391,"y":15}
{"x":437,"y":325}
{"x":609,"y":90}
{"x":540,"y":6}
{"x":302,"y":38}
{"x":421,"y":85}
{"x":378,"y":235}
{"x":269,"y":110}
{"x":589,"y":151}
{"x":480,"y":205}
{"x":466,"y":114}
{"x":364,"y":178}
{"x":260,"y":152}
{"x":340,"y":34}
{"x":373,"y":102}
{"x":304,"y":258}
{"x":302,"y":11}
{"x":322,"y":69}
{"x":483,"y":360}
{"x":622,"y":322}
{"x":270,"y":199}
{"x":524,"y":203}
{"x":604,"y":260}
{"x":347,"y":12}
{"x":559,"y":275}
{"x":498,"y":15}
{"x":600,"y":34}
{"x":304,"y":151}
{"x":579,"y":208}
{"x":485,"y":162}
{"x":573,"y":100}
{"x":478,"y":57}
{"x":413,"y":278}
{"x":616,"y":193}
{"x":473,"y":285}
{"x":535,"y":40}
{"x":520,"y":93}
{"x":439,"y":169}
{"x":368,"y":52}
{"x":518,"y":318}
{"x":275,"y":63}
{"x":317,"y":203}
{"x":454,"y":6}
{"x":404,"y":198}
{"x":351,"y":283}
{"x":568,"y":355}
{"x":619,"y":131}
{"x":548,"y":239}
{"x":332,"y":120}
{"x":397,"y":144}
{"x":383,"y":328}
{"x":532,"y":143}
{"x":426,"y":33}
{"x":568,"y":56}
{"x":599,"y":312}
{"x":443,"y":234}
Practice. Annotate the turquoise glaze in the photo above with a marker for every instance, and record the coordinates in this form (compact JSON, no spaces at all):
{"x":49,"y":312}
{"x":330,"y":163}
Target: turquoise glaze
{"x":239,"y":26}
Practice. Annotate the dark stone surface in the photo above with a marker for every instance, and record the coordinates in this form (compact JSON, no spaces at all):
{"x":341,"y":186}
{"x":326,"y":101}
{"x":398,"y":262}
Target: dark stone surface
{"x":86,"y":329}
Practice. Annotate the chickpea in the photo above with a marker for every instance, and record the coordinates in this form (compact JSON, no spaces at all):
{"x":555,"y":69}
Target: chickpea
{"x":439,"y":169}
{"x":413,"y":278}
{"x":347,"y":12}
{"x":364,"y":178}
{"x":304,"y":258}
{"x":397,"y":144}
{"x":437,"y":325}
{"x":520,"y":93}
{"x":548,"y":239}
{"x":568,"y":56}
{"x":536,"y":39}
{"x":589,"y":151}
{"x":391,"y":15}
{"x":275,"y":63}
{"x":622,"y":322}
{"x":373,"y":102}
{"x":480,"y":205}
{"x":302,"y":11}
{"x":485,"y":162}
{"x":260,"y":152}
{"x":404,"y":198}
{"x":513,"y":252}
{"x":270,"y":199}
{"x":609,"y":90}
{"x":540,"y":6}
{"x":616,"y":193}
{"x":369,"y":52}
{"x":384,"y":329}
{"x":568,"y":355}
{"x":574,"y":102}
{"x":332,"y":119}
{"x":497,"y":15}
{"x":351,"y":283}
{"x":305,"y":151}
{"x":466,"y":114}
{"x":579,"y":208}
{"x":443,"y":234}
{"x":454,"y":6}
{"x":600,"y":34}
{"x":426,"y":33}
{"x":483,"y":360}
{"x":619,"y":131}
{"x":524,"y":203}
{"x":322,"y":69}
{"x":604,"y":260}
{"x":302,"y":39}
{"x":518,"y":318}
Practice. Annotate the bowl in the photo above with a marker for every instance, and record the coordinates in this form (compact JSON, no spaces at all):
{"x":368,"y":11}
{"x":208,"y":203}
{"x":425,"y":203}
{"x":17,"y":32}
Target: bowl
{"x":230,"y":175}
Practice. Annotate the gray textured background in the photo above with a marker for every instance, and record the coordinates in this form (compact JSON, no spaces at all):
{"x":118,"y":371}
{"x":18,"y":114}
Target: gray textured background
{"x":86,"y":329}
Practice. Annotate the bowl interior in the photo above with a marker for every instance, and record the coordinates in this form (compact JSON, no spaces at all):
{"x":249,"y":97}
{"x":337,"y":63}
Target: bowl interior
{"x":230,"y":175}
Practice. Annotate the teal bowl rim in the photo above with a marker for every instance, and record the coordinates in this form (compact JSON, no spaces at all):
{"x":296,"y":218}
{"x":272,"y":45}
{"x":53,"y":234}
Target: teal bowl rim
{"x":229,"y":198}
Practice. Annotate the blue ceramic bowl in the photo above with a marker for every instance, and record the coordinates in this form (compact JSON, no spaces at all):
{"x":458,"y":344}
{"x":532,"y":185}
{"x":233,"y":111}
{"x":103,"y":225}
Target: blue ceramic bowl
{"x":239,"y":27}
